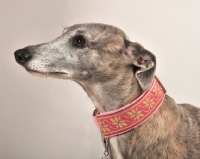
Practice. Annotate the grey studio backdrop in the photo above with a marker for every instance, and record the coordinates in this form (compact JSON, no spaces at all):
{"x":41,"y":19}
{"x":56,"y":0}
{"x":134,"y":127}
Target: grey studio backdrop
{"x":52,"y":119}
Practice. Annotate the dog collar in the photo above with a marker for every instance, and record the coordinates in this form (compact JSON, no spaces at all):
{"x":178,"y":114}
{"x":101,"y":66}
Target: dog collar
{"x":124,"y":119}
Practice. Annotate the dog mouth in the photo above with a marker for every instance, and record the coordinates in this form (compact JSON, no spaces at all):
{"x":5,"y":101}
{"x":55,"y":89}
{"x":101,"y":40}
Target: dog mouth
{"x":46,"y":73}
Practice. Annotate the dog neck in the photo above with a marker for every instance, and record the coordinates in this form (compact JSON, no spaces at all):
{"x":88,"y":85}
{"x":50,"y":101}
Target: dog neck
{"x":113,"y":95}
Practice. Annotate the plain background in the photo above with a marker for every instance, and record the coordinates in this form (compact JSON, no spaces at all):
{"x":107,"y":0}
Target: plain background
{"x":52,"y":119}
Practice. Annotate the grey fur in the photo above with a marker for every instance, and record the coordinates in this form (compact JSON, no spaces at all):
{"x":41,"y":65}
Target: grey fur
{"x":115,"y":71}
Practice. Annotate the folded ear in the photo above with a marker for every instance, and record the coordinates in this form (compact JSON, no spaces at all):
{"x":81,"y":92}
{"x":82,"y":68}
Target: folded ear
{"x":144,"y":62}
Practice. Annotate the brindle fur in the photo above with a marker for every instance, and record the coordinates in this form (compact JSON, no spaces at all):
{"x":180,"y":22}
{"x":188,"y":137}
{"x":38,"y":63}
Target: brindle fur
{"x":115,"y":71}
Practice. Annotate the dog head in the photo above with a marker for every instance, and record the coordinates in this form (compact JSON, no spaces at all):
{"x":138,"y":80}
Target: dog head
{"x":89,"y":52}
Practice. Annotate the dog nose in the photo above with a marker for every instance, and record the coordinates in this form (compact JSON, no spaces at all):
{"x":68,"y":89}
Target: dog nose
{"x":22,"y":56}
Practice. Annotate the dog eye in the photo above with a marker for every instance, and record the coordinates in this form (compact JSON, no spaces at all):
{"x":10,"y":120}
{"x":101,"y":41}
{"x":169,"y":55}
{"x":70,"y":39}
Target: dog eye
{"x":79,"y":42}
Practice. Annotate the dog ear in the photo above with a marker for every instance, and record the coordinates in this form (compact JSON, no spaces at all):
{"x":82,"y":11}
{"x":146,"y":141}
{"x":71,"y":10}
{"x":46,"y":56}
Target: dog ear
{"x":144,"y":63}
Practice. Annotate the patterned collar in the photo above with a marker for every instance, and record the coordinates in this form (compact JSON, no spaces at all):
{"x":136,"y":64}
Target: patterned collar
{"x":124,"y":119}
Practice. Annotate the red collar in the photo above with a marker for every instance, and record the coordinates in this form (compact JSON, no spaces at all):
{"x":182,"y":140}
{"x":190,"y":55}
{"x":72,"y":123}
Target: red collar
{"x":124,"y":119}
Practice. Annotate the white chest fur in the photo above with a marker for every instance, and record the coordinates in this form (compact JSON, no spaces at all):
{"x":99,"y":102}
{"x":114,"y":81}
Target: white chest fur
{"x":115,"y":148}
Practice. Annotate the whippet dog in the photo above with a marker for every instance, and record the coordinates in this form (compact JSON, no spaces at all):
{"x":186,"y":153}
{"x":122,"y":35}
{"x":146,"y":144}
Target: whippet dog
{"x":115,"y":72}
